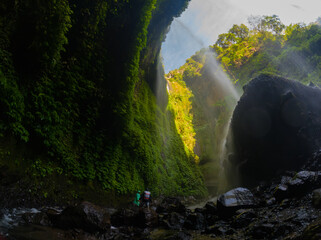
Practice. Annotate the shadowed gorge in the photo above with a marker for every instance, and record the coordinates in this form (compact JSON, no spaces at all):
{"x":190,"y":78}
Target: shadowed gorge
{"x":78,"y":97}
{"x":98,"y":142}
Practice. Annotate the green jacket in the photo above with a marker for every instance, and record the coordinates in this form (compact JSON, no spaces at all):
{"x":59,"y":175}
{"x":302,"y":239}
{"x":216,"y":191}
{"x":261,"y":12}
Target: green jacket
{"x":136,"y":200}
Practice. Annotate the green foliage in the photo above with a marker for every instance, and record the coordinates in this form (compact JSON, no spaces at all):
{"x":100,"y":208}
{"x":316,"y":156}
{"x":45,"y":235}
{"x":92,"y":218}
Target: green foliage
{"x":180,"y":104}
{"x":40,"y":169}
{"x":11,"y":103}
{"x":291,"y":51}
{"x":73,"y":86}
{"x":44,"y":25}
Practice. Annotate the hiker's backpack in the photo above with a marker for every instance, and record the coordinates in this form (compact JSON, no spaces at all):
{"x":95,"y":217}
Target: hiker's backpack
{"x":146,"y":195}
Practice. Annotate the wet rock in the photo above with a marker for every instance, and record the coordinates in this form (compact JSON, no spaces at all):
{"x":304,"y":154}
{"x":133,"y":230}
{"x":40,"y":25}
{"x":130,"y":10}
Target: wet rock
{"x":233,"y":200}
{"x":281,"y":192}
{"x":262,"y":231}
{"x":195,"y":221}
{"x":309,"y":176}
{"x":52,"y":213}
{"x":200,"y":210}
{"x":127,"y":232}
{"x":147,"y":218}
{"x":86,"y":216}
{"x":171,"y":204}
{"x":261,"y":188}
{"x":302,"y":217}
{"x":172,"y":220}
{"x":285,"y":203}
{"x":37,"y":219}
{"x":276,"y":127}
{"x":211,"y":219}
{"x":243,"y":218}
{"x":316,"y":198}
{"x":313,"y":231}
{"x":219,"y":229}
{"x":138,"y":218}
{"x":286,"y":179}
{"x":124,"y":217}
{"x":270,"y":201}
{"x":180,"y":236}
{"x":303,"y":182}
{"x":283,"y":229}
{"x":35,"y":232}
{"x":210,"y":208}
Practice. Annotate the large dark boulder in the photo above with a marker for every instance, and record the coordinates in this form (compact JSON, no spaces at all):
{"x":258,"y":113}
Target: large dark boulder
{"x":124,"y":217}
{"x":195,"y":221}
{"x":86,"y":216}
{"x":171,"y":204}
{"x":276,"y":126}
{"x":147,"y":218}
{"x":171,"y":220}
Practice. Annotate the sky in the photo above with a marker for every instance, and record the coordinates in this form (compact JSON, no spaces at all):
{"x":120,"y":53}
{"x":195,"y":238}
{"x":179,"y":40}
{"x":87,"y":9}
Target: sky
{"x":202,"y":22}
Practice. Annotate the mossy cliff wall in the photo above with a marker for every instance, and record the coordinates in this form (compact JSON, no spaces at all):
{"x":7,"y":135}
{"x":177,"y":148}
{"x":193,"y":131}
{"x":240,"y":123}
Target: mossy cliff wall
{"x":78,"y":83}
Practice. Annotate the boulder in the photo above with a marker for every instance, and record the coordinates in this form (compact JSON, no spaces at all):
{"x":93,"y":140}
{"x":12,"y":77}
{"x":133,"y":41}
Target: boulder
{"x":276,"y":127}
{"x":281,"y":192}
{"x":141,"y":218}
{"x":53,"y":214}
{"x":210,"y":208}
{"x":85,"y":216}
{"x":243,"y":218}
{"x":146,"y":218}
{"x":37,"y":219}
{"x":303,"y":182}
{"x":124,"y":217}
{"x":195,"y":221}
{"x":233,"y":200}
{"x":172,"y":220}
{"x":171,"y":204}
{"x":307,"y":176}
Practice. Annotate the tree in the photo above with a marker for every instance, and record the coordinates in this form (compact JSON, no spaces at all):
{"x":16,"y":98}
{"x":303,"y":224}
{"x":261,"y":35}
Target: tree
{"x":240,"y":31}
{"x":266,"y":23}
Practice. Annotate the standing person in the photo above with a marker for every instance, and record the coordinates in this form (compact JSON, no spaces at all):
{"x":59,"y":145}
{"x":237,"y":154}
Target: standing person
{"x":146,"y":198}
{"x":137,"y":198}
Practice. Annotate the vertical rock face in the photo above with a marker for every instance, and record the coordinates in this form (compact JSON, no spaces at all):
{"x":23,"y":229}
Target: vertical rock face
{"x":276,"y":126}
{"x":83,"y":90}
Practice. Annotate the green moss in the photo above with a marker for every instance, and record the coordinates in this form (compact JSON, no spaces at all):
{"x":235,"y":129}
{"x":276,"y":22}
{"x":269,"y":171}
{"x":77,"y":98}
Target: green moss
{"x":76,"y":98}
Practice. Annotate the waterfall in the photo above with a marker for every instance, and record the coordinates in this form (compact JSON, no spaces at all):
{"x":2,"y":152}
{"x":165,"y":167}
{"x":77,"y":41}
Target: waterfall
{"x":228,"y":90}
{"x":221,"y":89}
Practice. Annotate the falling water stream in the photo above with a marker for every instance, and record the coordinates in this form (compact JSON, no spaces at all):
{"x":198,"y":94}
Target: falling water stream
{"x":226,"y":89}
{"x":226,"y":86}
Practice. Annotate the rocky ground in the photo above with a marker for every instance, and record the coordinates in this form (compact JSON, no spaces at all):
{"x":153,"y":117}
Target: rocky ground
{"x":287,"y":207}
